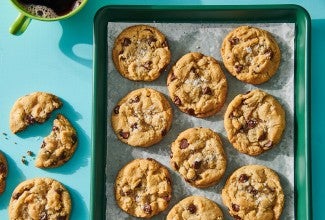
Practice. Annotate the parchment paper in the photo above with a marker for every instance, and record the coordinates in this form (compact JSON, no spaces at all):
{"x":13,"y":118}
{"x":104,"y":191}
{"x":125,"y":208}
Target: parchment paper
{"x":205,"y":38}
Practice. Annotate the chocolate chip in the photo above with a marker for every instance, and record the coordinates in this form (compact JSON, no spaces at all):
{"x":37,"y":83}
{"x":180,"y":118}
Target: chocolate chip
{"x":163,"y":132}
{"x":147,"y":65}
{"x":234,"y":41}
{"x":197,"y":164}
{"x":207,"y":91}
{"x":117,"y":109}
{"x":269,"y":53}
{"x":147,"y":208}
{"x":167,"y":198}
{"x":191,"y":111}
{"x":3,"y":168}
{"x":30,"y":119}
{"x":184,"y":144}
{"x":235,"y":207}
{"x":262,"y":137}
{"x":134,"y":126}
{"x":191,"y":208}
{"x":243,"y":178}
{"x":135,"y":100}
{"x":177,"y":101}
{"x":61,"y":217}
{"x":43,"y":144}
{"x":175,"y":166}
{"x":125,"y":134}
{"x":252,"y":190}
{"x":251,"y":123}
{"x":151,"y":39}
{"x":238,"y":68}
{"x":16,"y":195}
{"x":55,"y":128}
{"x":126,"y":42}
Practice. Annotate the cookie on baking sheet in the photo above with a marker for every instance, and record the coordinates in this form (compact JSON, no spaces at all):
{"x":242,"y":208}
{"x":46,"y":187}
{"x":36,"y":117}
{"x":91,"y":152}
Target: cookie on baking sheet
{"x":254,"y":122}
{"x":197,"y":85}
{"x":253,"y":192}
{"x":197,"y":155}
{"x":141,"y":53}
{"x":251,"y":54}
{"x":59,"y":146}
{"x":143,"y":188}
{"x":142,"y":118}
{"x":195,"y":207}
{"x":3,"y":172}
{"x":32,"y":108}
{"x":40,"y":198}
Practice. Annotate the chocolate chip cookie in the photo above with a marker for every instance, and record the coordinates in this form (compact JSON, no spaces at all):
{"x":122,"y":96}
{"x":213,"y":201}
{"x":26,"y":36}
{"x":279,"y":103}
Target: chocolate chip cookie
{"x":251,"y":54}
{"x":142,"y":118}
{"x":195,"y":207}
{"x":32,"y":108}
{"x":143,"y":188}
{"x":59,"y":146}
{"x":197,"y":85}
{"x":3,"y":172}
{"x":254,"y":192}
{"x":197,"y":154}
{"x":40,"y":198}
{"x":141,"y":53}
{"x":254,"y":122}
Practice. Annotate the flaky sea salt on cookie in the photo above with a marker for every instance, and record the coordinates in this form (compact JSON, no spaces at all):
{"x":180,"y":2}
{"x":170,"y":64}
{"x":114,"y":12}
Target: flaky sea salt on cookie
{"x":141,"y":53}
{"x":251,"y":54}
{"x":32,"y":108}
{"x":254,"y":122}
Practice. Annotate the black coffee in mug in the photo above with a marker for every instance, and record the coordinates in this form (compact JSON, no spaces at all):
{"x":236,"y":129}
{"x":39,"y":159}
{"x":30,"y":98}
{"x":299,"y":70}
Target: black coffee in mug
{"x":49,"y":8}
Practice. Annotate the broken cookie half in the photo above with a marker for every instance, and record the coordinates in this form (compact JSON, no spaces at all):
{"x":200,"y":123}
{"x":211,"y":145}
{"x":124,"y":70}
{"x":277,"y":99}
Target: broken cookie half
{"x":33,"y":108}
{"x":59,"y":146}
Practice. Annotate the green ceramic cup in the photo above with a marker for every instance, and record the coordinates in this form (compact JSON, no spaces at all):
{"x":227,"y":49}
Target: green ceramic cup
{"x":24,"y":17}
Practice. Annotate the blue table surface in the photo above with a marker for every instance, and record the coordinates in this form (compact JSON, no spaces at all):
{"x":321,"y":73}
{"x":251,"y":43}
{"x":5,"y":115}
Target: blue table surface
{"x":57,"y":57}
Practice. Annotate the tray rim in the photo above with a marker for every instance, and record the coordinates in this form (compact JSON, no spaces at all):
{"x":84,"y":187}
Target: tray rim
{"x":283,"y":13}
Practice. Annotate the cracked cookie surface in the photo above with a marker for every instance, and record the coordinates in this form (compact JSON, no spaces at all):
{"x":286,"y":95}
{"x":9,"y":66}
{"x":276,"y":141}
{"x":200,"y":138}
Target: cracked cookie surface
{"x":253,"y":192}
{"x":141,"y":53}
{"x":59,"y":146}
{"x":3,"y":172}
{"x":195,"y":208}
{"x":40,"y":198}
{"x":251,"y":54}
{"x":143,"y":188}
{"x":254,"y":122}
{"x":197,"y":155}
{"x":197,"y":85}
{"x":32,"y":108}
{"x":142,"y":118}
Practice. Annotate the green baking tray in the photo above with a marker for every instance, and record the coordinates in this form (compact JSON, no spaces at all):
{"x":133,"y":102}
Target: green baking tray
{"x":196,"y":14}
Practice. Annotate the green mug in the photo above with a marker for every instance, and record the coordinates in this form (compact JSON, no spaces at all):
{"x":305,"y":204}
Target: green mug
{"x":24,"y":18}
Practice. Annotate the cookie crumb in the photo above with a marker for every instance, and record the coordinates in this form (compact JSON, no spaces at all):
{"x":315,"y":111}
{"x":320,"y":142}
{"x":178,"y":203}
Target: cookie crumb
{"x":30,"y":153}
{"x":4,"y":133}
{"x":23,"y":160}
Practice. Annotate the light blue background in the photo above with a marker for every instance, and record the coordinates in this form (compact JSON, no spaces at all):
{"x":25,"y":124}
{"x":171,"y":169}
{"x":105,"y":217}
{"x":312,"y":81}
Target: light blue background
{"x":57,"y":57}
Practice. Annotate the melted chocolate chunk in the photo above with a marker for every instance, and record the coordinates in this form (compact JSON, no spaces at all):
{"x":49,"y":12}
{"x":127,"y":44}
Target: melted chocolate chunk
{"x":30,"y":119}
{"x":184,"y":144}
{"x":134,"y":126}
{"x":207,"y":91}
{"x":197,"y":164}
{"x":243,"y":178}
{"x":126,"y":42}
{"x":235,"y":207}
{"x":251,"y":123}
{"x":117,"y":109}
{"x":124,"y":135}
{"x":191,"y":208}
{"x":238,"y":68}
{"x":147,"y":208}
{"x":234,"y":41}
{"x":191,"y":111}
{"x":135,"y":100}
{"x":177,"y":101}
{"x":250,"y":189}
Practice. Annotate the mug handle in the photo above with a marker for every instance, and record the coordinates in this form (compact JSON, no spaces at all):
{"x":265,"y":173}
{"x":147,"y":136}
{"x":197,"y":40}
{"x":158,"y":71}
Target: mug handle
{"x":20,"y":24}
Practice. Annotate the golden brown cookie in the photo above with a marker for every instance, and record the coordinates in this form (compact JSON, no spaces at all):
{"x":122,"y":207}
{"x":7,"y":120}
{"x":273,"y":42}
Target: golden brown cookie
{"x":143,"y":188}
{"x":251,"y":54}
{"x":141,"y":53}
{"x":40,"y":198}
{"x":59,"y":146}
{"x":142,"y":118}
{"x":254,"y":192}
{"x":254,"y":122}
{"x":195,"y":207}
{"x":3,"y":172}
{"x":198,"y":156}
{"x":32,"y":108}
{"x":197,"y":85}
